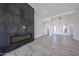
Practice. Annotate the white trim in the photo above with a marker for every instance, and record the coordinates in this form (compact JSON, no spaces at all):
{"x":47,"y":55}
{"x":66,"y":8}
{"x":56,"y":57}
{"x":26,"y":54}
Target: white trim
{"x":70,"y":12}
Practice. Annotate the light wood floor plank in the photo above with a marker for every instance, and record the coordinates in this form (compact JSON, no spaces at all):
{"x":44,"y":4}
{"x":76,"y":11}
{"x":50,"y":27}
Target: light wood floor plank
{"x":56,"y":45}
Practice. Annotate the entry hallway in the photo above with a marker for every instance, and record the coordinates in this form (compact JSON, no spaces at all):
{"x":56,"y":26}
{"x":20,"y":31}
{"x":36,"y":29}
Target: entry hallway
{"x":57,"y":45}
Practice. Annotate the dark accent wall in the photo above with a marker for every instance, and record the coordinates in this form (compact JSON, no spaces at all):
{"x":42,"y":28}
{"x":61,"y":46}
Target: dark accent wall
{"x":13,"y":16}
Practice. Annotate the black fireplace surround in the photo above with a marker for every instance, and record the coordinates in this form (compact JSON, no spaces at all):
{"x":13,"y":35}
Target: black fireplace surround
{"x":16,"y":19}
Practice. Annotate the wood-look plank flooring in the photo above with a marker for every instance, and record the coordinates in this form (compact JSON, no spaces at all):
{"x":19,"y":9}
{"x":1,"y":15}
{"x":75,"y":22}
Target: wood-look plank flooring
{"x":57,"y":45}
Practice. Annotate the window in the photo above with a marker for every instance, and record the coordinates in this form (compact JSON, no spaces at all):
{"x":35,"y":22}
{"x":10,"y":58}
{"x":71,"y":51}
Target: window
{"x":54,"y":29}
{"x":65,"y":29}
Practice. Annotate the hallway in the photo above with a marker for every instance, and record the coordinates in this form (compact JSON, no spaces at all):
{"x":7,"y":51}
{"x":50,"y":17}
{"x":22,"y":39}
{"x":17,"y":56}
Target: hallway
{"x":57,"y":45}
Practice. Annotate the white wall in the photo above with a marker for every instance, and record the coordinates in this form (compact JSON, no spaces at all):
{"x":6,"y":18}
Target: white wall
{"x":47,"y":27}
{"x":76,"y":26}
{"x":38,"y":26}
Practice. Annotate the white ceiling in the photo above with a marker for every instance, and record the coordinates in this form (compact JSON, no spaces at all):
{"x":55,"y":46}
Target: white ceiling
{"x":52,"y":9}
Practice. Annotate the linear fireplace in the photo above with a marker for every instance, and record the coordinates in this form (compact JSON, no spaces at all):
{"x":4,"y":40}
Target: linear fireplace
{"x":19,"y":38}
{"x":16,"y":25}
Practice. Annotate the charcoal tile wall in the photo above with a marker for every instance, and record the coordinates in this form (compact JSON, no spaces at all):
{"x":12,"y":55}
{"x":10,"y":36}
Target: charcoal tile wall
{"x":13,"y":17}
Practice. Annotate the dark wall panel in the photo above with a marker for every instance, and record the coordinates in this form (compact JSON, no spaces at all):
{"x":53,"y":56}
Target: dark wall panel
{"x":13,"y":17}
